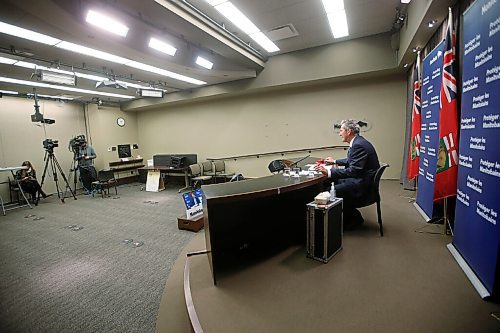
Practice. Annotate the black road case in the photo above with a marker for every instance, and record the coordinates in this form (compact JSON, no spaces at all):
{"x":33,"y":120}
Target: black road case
{"x":324,"y":230}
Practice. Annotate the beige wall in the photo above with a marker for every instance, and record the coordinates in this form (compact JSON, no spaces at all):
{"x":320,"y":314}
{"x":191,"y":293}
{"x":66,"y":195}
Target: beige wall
{"x":262,"y":122}
{"x":105,"y":133}
{"x":280,"y":120}
{"x":20,"y":139}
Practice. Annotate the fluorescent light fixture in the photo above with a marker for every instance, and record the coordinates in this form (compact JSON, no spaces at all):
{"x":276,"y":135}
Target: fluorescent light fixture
{"x":53,"y":86}
{"x":92,"y":52}
{"x":106,"y":23}
{"x":215,"y":2}
{"x":332,"y":6}
{"x":336,"y":17}
{"x":7,"y":61}
{"x":162,"y":46}
{"x":27,"y":34}
{"x":59,"y":78}
{"x":237,"y":17}
{"x":52,"y":96}
{"x":265,"y":42}
{"x":9,"y":92}
{"x":159,"y":71}
{"x":338,"y":24}
{"x":114,"y":58}
{"x":26,"y":65}
{"x":233,"y":14}
{"x":151,"y":93}
{"x":204,"y":62}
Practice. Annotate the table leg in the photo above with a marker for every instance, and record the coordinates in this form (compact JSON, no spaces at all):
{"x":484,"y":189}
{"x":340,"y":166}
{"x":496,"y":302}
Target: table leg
{"x":1,"y":202}
{"x":186,"y":181}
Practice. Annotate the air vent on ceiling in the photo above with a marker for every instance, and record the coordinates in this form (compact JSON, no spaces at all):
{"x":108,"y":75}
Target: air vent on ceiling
{"x":282,"y":32}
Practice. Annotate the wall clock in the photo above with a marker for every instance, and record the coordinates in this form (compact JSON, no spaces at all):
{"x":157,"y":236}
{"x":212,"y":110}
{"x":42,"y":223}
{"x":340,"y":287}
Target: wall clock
{"x":120,"y":121}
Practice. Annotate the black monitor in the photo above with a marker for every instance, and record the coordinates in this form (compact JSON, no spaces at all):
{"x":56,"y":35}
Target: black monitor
{"x":124,"y":151}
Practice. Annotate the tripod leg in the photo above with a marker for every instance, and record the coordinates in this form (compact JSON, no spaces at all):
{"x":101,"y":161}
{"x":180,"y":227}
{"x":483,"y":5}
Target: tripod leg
{"x":65,"y":179}
{"x":56,"y":180}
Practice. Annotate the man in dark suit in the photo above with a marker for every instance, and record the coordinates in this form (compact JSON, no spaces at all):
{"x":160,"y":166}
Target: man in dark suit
{"x":354,"y":181}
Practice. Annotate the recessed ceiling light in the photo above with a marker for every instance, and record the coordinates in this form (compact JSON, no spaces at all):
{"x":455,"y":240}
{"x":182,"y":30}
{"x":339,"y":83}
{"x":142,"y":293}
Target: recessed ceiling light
{"x":31,"y":35}
{"x":405,"y":65}
{"x":204,"y":62}
{"x":415,"y":49}
{"x":162,"y":46}
{"x":233,"y":14}
{"x":405,"y":1}
{"x":336,"y":17}
{"x":432,"y":23}
{"x":106,"y":23}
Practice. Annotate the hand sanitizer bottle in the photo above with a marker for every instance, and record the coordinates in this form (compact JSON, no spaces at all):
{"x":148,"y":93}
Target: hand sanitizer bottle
{"x":332,"y":192}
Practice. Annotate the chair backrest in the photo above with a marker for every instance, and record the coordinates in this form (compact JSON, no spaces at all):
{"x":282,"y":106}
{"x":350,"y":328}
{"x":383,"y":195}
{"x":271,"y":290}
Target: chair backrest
{"x":237,"y":177}
{"x":220,"y":166}
{"x":206,"y":166}
{"x":375,"y":195}
{"x":276,"y":166}
{"x":177,"y":161}
{"x":195,"y":169}
{"x":105,"y":175}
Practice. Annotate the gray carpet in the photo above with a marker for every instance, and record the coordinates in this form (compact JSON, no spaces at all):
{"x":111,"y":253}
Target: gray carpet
{"x":56,"y":279}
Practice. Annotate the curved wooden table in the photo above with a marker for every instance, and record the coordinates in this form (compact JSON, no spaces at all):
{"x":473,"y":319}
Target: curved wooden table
{"x":253,"y":218}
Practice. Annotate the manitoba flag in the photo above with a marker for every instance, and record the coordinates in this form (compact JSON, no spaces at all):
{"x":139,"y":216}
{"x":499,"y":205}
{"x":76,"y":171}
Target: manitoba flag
{"x":414,"y":151}
{"x":447,"y":159}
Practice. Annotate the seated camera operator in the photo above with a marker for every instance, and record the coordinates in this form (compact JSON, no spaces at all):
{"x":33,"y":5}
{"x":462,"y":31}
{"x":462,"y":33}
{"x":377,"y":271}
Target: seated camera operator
{"x":85,"y":159}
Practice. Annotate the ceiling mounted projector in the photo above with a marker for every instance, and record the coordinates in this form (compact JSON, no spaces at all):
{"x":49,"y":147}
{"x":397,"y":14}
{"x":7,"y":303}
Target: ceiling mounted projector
{"x":111,"y":84}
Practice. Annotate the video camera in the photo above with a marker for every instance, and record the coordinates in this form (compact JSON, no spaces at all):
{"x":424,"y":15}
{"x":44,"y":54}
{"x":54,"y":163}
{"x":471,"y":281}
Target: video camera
{"x":76,"y":142}
{"x":50,"y":144}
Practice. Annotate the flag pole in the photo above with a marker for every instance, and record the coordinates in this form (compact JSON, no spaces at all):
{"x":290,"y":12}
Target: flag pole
{"x":446,"y":220}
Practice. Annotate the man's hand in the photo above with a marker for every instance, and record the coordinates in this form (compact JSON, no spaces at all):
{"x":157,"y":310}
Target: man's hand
{"x":321,"y":168}
{"x":329,"y":160}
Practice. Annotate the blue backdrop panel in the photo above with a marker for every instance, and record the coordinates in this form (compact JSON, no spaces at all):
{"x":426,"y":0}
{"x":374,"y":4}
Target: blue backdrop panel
{"x":477,"y":229}
{"x":431,"y":86}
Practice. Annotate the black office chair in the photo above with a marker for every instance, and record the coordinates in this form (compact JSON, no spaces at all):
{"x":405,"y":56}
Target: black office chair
{"x":374,"y":196}
{"x":105,"y":179}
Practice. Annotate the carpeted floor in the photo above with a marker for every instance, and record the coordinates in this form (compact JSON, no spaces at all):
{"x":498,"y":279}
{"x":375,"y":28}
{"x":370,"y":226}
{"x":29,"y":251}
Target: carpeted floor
{"x":89,"y":277}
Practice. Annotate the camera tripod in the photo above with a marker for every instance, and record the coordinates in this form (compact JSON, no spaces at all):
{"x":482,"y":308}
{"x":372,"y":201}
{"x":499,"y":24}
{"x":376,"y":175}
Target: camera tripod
{"x":51,"y":159}
{"x":73,"y":171}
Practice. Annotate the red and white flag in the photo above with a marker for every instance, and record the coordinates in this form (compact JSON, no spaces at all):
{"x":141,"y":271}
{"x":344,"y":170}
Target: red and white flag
{"x":416,"y":121}
{"x":447,"y":159}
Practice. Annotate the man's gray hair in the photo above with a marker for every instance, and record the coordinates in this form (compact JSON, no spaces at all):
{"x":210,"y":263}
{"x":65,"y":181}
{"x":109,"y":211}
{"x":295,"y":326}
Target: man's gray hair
{"x":350,"y":124}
